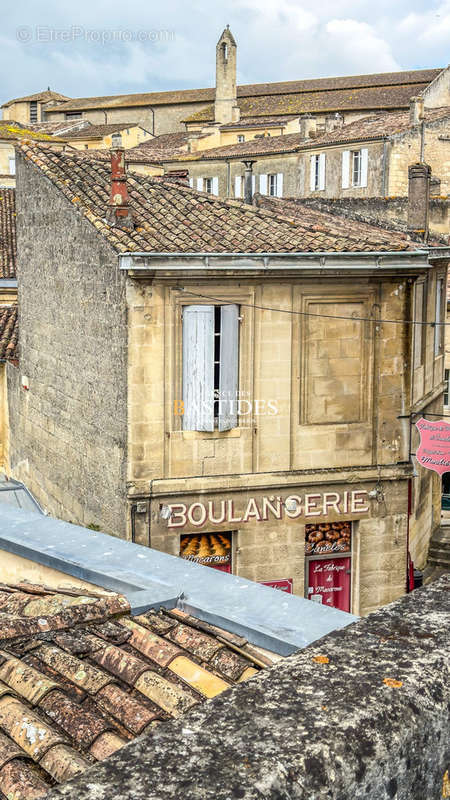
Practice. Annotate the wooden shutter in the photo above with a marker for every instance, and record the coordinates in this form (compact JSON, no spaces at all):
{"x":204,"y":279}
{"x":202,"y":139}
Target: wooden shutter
{"x":364,"y":165}
{"x":229,"y":357}
{"x":279,"y":184}
{"x":215,"y":186}
{"x":200,"y":184}
{"x":238,"y":186}
{"x":198,"y":368}
{"x":263,"y":184}
{"x":312,"y":174}
{"x":322,"y":171}
{"x":346,"y":169}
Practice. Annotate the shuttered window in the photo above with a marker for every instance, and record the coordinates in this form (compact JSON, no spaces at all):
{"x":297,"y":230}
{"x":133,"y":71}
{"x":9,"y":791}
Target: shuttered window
{"x":346,"y":169}
{"x":317,"y":172}
{"x":238,"y":186}
{"x":191,"y":182}
{"x":360,"y":162}
{"x":438,"y":329}
{"x":263,"y":184}
{"x":279,"y":184}
{"x":200,"y":184}
{"x":210,"y":367}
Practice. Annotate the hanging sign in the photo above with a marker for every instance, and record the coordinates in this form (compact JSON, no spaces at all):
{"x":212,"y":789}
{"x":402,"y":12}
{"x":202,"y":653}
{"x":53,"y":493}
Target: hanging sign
{"x":434,"y":448}
{"x":284,"y":585}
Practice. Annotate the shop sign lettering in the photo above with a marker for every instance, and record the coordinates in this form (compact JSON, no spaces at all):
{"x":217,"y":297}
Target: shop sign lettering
{"x":294,"y":506}
{"x":434,"y":448}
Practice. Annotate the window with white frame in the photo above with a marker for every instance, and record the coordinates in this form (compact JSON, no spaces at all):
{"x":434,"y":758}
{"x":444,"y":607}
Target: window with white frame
{"x":241,"y":137}
{"x":439,"y":328}
{"x":317,"y":172}
{"x":12,"y":165}
{"x":209,"y":185}
{"x":419,"y":297}
{"x":238,"y":186}
{"x":355,"y":168}
{"x":271,"y":185}
{"x":210,"y":353}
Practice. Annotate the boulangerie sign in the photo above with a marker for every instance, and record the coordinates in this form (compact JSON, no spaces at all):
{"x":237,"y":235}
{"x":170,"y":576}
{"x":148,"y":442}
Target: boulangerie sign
{"x":434,"y":448}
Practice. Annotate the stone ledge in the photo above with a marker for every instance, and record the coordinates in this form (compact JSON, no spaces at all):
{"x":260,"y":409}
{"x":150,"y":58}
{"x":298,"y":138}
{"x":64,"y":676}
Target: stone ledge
{"x":362,"y":713}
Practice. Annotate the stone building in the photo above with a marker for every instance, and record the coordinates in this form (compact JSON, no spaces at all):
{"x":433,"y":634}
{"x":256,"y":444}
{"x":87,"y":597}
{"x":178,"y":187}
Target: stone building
{"x":222,"y":382}
{"x":227,"y":104}
{"x":31,"y":108}
{"x":10,"y":134}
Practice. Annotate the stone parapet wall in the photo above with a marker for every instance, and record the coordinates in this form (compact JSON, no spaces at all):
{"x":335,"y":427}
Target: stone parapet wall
{"x":362,"y":713}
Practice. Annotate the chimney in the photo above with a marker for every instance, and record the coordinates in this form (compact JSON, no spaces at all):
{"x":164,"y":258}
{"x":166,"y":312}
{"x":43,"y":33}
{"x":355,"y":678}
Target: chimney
{"x":415,"y":110}
{"x":248,"y":182}
{"x":308,"y":126}
{"x":419,"y":178}
{"x":119,"y":212}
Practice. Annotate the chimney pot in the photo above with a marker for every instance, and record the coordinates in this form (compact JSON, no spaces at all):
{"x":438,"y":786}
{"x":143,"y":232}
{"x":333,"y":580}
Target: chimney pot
{"x":419,"y":179}
{"x":119,"y":212}
{"x":416,"y":110}
{"x":248,"y":182}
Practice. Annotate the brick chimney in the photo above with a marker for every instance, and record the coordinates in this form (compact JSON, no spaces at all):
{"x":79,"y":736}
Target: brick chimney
{"x":119,"y":212}
{"x":415,"y":110}
{"x":419,"y":178}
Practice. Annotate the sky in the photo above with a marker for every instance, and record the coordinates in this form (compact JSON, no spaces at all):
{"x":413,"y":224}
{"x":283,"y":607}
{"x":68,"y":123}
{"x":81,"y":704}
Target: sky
{"x":87,"y":48}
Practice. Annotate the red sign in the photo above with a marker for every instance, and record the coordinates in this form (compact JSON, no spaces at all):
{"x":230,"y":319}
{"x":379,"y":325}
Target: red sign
{"x":329,"y":582}
{"x":434,"y":448}
{"x":286,"y":584}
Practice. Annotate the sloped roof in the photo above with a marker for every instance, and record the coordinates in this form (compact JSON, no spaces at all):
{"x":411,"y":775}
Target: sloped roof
{"x":414,"y":78}
{"x":98,"y":131}
{"x":7,"y":233}
{"x":15,"y":131}
{"x":160,"y":147}
{"x":363,"y":98}
{"x":169,"y":217}
{"x":255,"y":122}
{"x":80,"y":678}
{"x":9,"y":333}
{"x":265,"y":145}
{"x":42,"y":97}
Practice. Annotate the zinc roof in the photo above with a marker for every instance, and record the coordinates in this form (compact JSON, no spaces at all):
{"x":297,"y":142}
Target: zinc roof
{"x":80,"y":678}
{"x":170,"y":217}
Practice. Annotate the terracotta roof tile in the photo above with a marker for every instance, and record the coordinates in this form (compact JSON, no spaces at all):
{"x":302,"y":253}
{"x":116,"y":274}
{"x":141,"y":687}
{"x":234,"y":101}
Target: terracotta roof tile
{"x":98,"y":131}
{"x":19,"y":781}
{"x":170,"y":217}
{"x":7,"y":233}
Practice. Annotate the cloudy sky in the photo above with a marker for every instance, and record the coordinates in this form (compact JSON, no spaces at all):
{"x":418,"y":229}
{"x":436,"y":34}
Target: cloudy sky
{"x":108,"y":47}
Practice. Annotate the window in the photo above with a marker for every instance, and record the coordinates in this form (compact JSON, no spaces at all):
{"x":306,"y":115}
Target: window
{"x":210,"y":354}
{"x":239,"y":186}
{"x":271,"y":184}
{"x":12,"y":165}
{"x":419,"y":296}
{"x":438,"y":328}
{"x":317,"y":172}
{"x":241,"y":137}
{"x":210,"y":549}
{"x":209,"y":185}
{"x":446,"y":379}
{"x":354,"y":168}
{"x":73,"y":115}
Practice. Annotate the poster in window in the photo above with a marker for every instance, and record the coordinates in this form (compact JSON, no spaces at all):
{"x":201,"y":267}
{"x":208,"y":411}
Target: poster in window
{"x":209,"y":549}
{"x":328,"y":537}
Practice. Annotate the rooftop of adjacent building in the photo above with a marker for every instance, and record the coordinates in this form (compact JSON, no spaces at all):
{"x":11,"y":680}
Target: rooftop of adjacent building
{"x":41,"y":97}
{"x":171,"y":217}
{"x":8,"y":249}
{"x":15,"y":131}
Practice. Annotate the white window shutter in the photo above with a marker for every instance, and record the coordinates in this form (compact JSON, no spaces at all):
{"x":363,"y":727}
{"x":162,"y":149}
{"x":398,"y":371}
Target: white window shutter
{"x":322,"y":171}
{"x":215,"y":186}
{"x":229,"y":349}
{"x":200,"y":184}
{"x":191,"y":182}
{"x":263,"y":184}
{"x":312,"y":173}
{"x":279,"y":184}
{"x":346,"y":169}
{"x":198,"y":368}
{"x":12,"y":165}
{"x":364,"y":165}
{"x":238,"y":186}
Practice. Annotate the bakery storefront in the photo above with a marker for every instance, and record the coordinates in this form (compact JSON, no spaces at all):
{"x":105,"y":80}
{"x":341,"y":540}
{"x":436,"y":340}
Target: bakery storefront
{"x":308,"y":541}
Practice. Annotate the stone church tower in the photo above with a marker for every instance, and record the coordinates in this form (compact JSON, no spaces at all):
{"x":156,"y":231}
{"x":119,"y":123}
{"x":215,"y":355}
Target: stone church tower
{"x":225,"y":106}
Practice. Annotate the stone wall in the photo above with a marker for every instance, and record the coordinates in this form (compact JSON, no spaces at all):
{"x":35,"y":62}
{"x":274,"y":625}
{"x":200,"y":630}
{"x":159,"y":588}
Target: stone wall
{"x":68,"y":431}
{"x":362,"y":714}
{"x":226,"y":171}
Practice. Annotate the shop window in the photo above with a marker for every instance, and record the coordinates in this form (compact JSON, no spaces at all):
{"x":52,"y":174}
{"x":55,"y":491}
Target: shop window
{"x":328,"y":563}
{"x":438,"y":328}
{"x":33,"y":111}
{"x":210,"y":549}
{"x":210,"y":367}
{"x":419,"y":296}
